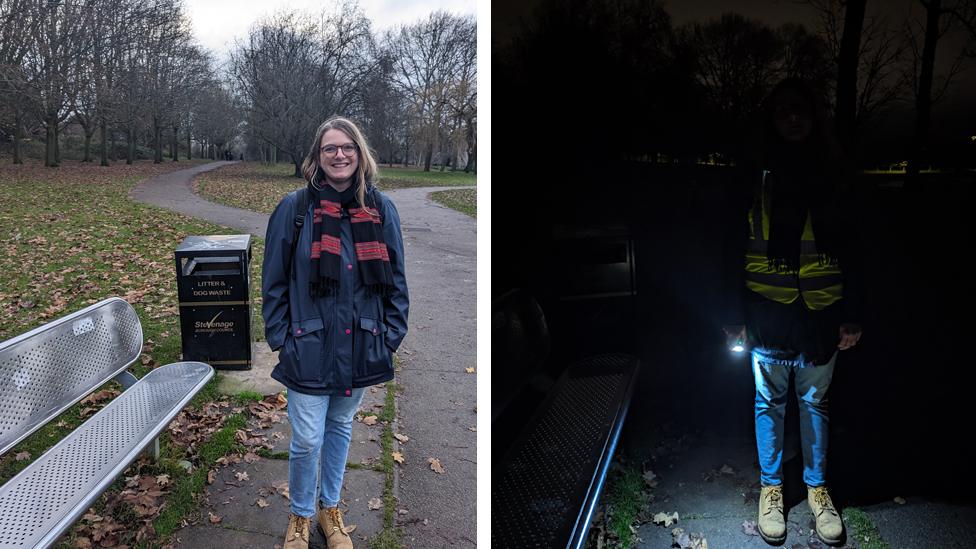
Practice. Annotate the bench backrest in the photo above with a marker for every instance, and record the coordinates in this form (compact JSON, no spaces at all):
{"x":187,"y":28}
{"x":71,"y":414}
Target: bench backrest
{"x":48,"y":369}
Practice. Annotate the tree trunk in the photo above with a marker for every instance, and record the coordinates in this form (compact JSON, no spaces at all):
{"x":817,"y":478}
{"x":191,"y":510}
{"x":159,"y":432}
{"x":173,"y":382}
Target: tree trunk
{"x":131,"y":153}
{"x":472,"y":149}
{"x":189,"y":144}
{"x":158,"y":135}
{"x":923,"y":99}
{"x":102,"y":132}
{"x":427,"y":157}
{"x":298,"y":165}
{"x":18,"y":137}
{"x":112,"y":154}
{"x":176,"y":147}
{"x":50,"y":160}
{"x":850,"y":44}
{"x":87,"y":157}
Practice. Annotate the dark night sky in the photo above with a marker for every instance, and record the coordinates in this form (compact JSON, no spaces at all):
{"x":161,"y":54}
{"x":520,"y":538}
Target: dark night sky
{"x":507,"y":14}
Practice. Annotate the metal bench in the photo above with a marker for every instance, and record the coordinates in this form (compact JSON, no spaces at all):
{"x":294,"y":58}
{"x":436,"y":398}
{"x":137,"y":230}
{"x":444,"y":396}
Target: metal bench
{"x":46,"y":371}
{"x":546,"y":485}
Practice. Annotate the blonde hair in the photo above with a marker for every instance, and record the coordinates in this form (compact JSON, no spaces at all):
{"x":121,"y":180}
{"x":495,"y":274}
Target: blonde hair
{"x":366,"y":171}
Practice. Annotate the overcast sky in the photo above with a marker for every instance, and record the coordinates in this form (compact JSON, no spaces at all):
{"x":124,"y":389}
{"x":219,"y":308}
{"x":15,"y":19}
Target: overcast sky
{"x":217,"y":22}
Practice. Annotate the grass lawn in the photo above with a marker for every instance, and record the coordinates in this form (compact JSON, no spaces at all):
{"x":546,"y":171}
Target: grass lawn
{"x":259,"y":187}
{"x":462,"y":200}
{"x":71,"y":237}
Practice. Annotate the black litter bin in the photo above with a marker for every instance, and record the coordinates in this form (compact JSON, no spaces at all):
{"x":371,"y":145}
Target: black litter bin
{"x":213,"y":282}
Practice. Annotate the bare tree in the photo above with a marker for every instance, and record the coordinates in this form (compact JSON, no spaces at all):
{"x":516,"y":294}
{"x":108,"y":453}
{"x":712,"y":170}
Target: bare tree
{"x":17,"y":23}
{"x":922,"y":72}
{"x":275,"y":70}
{"x":216,"y":118}
{"x":738,"y":61}
{"x":427,"y":56}
{"x":869,"y":56}
{"x":51,"y":65}
{"x":291,"y":75}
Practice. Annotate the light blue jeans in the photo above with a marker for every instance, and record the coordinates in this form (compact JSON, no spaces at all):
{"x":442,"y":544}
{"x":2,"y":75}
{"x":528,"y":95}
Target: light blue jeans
{"x":321,"y":428}
{"x":772,"y":383}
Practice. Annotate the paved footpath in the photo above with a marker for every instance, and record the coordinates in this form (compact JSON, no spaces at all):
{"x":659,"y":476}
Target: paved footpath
{"x":436,"y":405}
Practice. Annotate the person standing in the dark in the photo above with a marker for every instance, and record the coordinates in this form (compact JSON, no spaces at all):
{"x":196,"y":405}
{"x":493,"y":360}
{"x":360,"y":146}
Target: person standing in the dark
{"x":794,"y":294}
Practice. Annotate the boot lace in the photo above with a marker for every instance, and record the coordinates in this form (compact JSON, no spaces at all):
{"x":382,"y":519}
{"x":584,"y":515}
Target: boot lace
{"x":336,"y":518}
{"x":774,"y":496}
{"x":300,"y":528}
{"x":822,"y":498}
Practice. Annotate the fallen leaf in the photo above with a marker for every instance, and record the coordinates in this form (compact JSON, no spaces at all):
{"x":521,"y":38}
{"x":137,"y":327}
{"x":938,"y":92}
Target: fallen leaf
{"x":99,"y":396}
{"x":473,"y":429}
{"x":251,"y":457}
{"x":229,"y":459}
{"x":211,"y":476}
{"x":401,"y":438}
{"x":374,"y":504}
{"x":369,"y":420}
{"x":435,"y":465}
{"x":900,"y":500}
{"x":726,"y":470}
{"x":650,"y":478}
{"x":262,"y":503}
{"x":162,"y":480}
{"x":398,"y":457}
{"x":665,"y":519}
{"x":85,"y":412}
{"x":21,"y":456}
{"x":469,"y":370}
{"x":241,"y":476}
{"x":214,"y":519}
{"x":83,"y":543}
{"x":402,"y":511}
{"x":749,"y":528}
{"x":688,"y":541}
{"x":282,"y":488}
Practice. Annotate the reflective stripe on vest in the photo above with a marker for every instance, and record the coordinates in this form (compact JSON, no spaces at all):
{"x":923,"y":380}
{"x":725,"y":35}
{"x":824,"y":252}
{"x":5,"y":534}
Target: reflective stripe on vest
{"x":820,"y":285}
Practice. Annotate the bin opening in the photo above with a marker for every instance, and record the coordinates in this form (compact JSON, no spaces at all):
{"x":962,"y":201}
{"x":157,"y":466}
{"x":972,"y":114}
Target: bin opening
{"x":207,"y":266}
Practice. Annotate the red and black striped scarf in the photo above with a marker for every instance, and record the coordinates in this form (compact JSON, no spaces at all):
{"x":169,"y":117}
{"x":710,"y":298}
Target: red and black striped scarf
{"x":372,"y":258}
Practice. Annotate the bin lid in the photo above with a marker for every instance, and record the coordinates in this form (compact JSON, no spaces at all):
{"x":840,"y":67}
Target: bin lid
{"x":228,"y":242}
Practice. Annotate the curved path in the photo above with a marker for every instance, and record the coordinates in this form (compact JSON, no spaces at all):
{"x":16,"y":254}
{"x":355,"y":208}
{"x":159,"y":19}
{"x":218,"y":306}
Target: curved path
{"x":174,"y":191}
{"x":436,"y":407}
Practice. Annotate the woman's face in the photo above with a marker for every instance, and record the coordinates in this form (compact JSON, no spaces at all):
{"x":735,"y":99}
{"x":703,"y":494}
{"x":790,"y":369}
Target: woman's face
{"x":792,"y":116}
{"x":338,"y":156}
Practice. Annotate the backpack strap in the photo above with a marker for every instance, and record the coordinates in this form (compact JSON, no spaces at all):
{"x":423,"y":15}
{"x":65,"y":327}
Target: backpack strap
{"x":299,"y":220}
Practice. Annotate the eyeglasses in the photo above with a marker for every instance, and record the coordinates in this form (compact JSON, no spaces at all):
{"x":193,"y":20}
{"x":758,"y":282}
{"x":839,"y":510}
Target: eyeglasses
{"x":348,"y":149}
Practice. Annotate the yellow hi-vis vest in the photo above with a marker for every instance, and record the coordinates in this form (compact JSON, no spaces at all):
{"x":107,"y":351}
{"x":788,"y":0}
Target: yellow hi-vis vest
{"x":820,"y":285}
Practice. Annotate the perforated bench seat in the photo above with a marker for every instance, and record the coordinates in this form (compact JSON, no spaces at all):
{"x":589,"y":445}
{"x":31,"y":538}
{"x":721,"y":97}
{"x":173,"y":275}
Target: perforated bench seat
{"x":49,"y":369}
{"x":546,"y":488}
{"x":42,"y":501}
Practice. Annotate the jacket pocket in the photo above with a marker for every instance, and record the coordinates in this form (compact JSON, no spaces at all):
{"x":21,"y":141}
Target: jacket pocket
{"x":303,"y":350}
{"x":373,"y":354}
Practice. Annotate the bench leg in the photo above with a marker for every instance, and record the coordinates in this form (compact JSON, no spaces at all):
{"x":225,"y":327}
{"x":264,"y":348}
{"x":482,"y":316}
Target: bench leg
{"x":126,"y":379}
{"x":154,"y":449}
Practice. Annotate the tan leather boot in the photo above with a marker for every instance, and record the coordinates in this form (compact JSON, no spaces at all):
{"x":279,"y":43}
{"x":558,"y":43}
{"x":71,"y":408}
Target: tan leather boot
{"x":830,"y":527}
{"x":772,"y":525}
{"x":336,"y":533}
{"x":297,"y":535}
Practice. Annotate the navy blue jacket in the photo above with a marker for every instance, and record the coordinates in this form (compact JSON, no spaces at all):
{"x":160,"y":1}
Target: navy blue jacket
{"x":329,"y":345}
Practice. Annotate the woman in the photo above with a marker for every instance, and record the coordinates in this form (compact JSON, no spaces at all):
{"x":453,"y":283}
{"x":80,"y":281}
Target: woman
{"x":335,"y":309}
{"x":799,"y":296}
